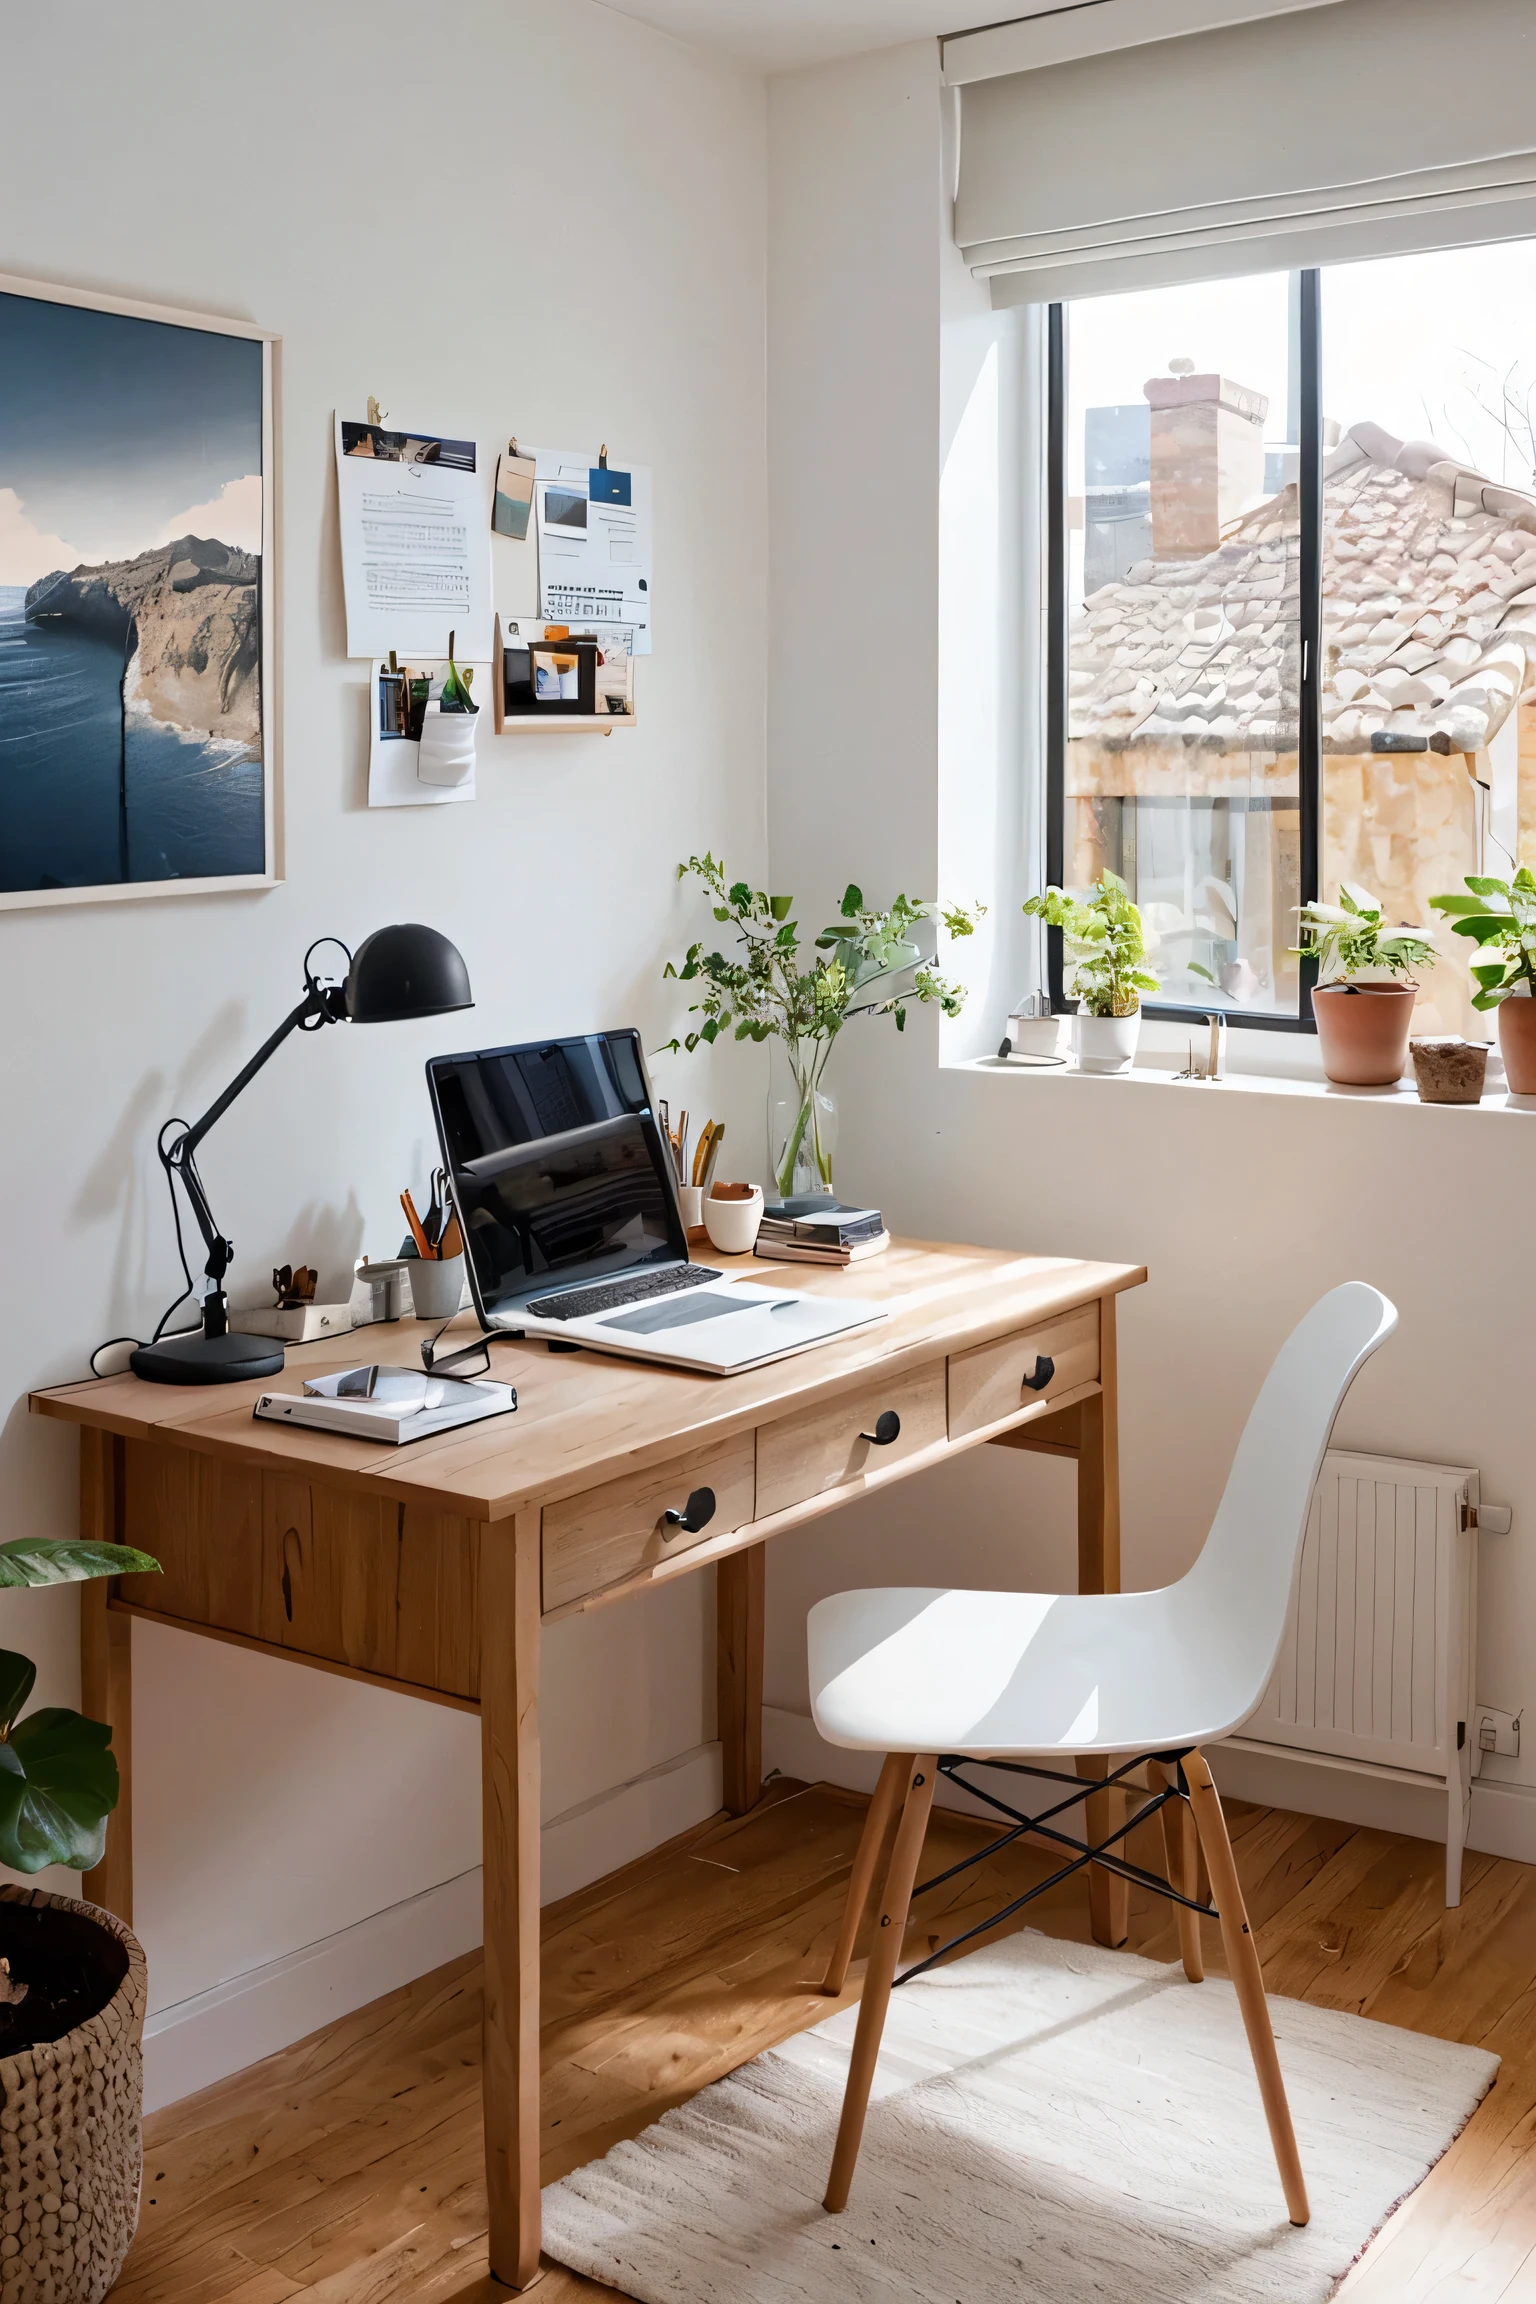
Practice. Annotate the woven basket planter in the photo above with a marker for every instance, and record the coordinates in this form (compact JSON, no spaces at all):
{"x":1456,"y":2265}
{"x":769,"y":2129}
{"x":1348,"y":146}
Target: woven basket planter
{"x":71,"y":2153}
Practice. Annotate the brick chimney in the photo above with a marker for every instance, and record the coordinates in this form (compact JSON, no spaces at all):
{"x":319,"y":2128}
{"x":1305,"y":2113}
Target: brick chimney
{"x":1207,"y":460}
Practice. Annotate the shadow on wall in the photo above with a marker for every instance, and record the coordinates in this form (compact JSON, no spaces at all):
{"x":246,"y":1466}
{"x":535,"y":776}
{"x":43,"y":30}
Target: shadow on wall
{"x":124,"y":1182}
{"x":124,"y":1177}
{"x":327,"y":1238}
{"x":115,"y":1185}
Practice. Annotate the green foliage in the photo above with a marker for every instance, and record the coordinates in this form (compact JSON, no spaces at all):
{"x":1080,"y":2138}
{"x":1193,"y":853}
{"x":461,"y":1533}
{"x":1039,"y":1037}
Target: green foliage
{"x":455,"y":696}
{"x":1105,"y":945}
{"x":33,"y":1561}
{"x":1499,"y":916}
{"x":1351,"y":938}
{"x":58,"y":1779}
{"x":867,"y":964}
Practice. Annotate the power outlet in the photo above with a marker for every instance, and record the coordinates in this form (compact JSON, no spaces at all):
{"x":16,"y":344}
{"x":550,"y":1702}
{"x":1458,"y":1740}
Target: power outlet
{"x":1494,"y":1731}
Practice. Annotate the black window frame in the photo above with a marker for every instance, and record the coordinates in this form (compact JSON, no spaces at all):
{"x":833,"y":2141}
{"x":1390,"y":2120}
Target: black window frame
{"x":1310,"y":617}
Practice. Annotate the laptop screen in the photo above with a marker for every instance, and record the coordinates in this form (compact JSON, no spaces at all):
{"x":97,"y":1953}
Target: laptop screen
{"x":559,"y":1170}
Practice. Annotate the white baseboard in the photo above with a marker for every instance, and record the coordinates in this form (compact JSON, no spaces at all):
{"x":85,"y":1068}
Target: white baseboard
{"x":1503,"y":1821}
{"x":197,"y":2041}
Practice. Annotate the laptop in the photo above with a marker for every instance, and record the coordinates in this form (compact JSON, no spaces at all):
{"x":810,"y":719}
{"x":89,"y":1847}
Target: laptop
{"x":566,"y":1192}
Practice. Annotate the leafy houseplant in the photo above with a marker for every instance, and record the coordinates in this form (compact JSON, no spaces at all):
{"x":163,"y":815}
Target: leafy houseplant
{"x":58,"y":1779}
{"x":72,"y":1981}
{"x":1499,"y":916}
{"x":1106,"y":949}
{"x":866,"y":963}
{"x":1363,"y":999}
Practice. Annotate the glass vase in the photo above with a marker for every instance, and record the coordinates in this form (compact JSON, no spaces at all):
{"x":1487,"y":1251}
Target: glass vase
{"x":802,"y":1120}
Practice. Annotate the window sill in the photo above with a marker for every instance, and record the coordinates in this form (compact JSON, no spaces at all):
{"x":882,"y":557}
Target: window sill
{"x":1154,"y":1068}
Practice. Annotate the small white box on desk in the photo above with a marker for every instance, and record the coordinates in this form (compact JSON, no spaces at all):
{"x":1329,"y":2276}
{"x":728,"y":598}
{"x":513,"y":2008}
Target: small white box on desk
{"x":300,"y":1325}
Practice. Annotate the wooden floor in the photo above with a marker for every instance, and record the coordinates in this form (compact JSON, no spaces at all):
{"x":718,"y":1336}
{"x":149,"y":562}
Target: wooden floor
{"x":347,"y":2169}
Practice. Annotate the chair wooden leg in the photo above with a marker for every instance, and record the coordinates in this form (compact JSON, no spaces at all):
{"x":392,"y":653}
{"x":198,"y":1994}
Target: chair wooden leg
{"x":893,"y":1781}
{"x":895,"y":1900}
{"x":1247,"y":1979}
{"x":1183,"y":1870}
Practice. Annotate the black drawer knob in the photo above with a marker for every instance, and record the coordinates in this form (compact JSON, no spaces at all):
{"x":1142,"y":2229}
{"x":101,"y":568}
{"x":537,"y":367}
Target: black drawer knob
{"x":887,"y":1428}
{"x":1041,"y":1374}
{"x":696,"y":1514}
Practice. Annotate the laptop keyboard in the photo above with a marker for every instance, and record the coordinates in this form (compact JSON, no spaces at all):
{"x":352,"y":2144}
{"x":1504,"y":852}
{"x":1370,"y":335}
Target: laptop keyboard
{"x":582,"y":1303}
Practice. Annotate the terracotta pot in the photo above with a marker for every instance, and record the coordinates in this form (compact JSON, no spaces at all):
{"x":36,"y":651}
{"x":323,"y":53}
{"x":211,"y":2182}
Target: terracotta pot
{"x":1517,"y":1044}
{"x":1363,"y":1032}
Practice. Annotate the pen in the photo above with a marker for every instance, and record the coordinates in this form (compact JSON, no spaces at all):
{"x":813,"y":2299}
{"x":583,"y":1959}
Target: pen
{"x":707,"y":1135}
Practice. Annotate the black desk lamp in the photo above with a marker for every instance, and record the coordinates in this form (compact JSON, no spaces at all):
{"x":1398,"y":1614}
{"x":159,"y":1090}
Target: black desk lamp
{"x":398,"y":973}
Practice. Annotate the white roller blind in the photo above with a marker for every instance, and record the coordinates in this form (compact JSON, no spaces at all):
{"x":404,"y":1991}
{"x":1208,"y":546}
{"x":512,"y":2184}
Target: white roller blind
{"x":1358,"y":129}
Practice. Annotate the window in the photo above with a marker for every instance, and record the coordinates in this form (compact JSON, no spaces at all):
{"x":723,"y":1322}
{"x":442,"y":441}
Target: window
{"x":1292,"y":562}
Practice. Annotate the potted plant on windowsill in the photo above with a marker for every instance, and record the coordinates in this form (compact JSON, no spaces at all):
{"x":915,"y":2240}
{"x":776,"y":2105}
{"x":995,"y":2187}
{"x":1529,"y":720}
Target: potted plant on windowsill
{"x":72,"y":1983}
{"x":871,"y":967}
{"x":1500,"y":917}
{"x":1363,"y":999}
{"x":1106,"y":949}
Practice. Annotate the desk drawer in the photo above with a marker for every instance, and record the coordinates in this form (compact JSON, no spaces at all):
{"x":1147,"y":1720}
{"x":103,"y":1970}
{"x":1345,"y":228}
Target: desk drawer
{"x":987,"y":1385}
{"x":610,"y":1532}
{"x":342,"y":1576}
{"x":803,"y":1456}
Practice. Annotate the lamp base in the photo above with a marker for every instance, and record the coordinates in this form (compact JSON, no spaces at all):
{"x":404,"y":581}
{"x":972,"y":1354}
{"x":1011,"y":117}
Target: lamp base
{"x":200,"y":1359}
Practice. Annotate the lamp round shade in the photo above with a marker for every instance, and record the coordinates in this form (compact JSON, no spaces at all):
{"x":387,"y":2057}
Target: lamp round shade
{"x":407,"y":970}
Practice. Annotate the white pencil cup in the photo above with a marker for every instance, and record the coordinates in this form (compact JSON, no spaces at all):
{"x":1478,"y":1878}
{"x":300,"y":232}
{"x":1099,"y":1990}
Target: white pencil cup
{"x":690,"y":1200}
{"x":437,"y":1285}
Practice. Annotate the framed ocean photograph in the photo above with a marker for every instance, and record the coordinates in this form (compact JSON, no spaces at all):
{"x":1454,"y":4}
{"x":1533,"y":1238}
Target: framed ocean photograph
{"x":138,"y":728}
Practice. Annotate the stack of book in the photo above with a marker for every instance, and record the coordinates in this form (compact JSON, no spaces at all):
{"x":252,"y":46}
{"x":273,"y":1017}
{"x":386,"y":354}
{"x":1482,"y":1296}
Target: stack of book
{"x":820,"y":1232}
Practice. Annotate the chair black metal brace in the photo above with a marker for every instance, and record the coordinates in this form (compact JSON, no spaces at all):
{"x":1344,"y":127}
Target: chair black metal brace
{"x":1087,"y":1852}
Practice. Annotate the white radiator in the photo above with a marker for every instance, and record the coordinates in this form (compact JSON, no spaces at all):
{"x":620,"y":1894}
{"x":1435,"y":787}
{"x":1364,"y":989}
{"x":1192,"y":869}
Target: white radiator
{"x":1377,"y":1667}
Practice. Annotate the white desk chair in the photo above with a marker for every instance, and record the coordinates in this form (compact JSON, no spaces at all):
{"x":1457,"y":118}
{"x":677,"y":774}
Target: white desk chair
{"x":940,"y":1681}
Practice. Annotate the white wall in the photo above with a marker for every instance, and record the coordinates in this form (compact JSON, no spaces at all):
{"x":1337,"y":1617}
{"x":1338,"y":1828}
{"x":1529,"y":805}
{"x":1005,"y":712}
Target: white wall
{"x":576,"y":206}
{"x":886,"y":392}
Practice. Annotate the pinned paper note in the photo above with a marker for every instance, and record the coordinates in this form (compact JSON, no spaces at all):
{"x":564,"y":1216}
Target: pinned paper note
{"x":419,"y":754}
{"x":593,"y":524}
{"x":514,"y":494}
{"x":415,"y":554}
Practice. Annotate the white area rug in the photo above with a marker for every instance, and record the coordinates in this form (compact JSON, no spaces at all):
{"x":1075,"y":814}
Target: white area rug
{"x":1051,"y":2124}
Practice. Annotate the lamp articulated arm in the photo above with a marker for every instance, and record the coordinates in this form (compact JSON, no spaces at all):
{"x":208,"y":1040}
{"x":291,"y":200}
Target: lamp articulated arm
{"x":322,"y":1004}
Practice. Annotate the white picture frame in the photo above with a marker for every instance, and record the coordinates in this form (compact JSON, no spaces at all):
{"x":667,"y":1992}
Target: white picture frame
{"x":13,"y":898}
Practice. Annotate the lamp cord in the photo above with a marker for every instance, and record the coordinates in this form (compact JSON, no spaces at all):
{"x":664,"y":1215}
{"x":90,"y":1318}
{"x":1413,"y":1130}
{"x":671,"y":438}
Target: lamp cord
{"x":181,"y":1251}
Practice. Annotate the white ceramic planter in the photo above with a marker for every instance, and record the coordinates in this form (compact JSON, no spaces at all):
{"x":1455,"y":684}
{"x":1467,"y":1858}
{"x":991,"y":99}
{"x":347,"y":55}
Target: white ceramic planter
{"x":447,"y":750}
{"x":1105,"y":1043}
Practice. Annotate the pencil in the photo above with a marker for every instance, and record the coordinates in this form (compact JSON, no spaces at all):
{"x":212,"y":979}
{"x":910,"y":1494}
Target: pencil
{"x":414,"y":1221}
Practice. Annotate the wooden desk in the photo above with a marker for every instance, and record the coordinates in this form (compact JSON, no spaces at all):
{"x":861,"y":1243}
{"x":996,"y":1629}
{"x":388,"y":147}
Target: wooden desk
{"x":431,"y":1569}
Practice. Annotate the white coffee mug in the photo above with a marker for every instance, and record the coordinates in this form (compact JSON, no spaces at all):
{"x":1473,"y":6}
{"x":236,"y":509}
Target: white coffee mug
{"x":732,"y":1214}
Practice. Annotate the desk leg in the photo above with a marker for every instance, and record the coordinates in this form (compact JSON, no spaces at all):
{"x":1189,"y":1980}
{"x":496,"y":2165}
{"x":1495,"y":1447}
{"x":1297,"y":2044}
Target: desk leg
{"x":508,"y":1594}
{"x":739,"y":1676}
{"x":1098,"y":1570}
{"x":106,"y":1666}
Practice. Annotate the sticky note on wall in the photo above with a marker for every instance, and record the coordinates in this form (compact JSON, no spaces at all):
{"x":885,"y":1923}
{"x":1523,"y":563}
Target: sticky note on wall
{"x":514,"y":495}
